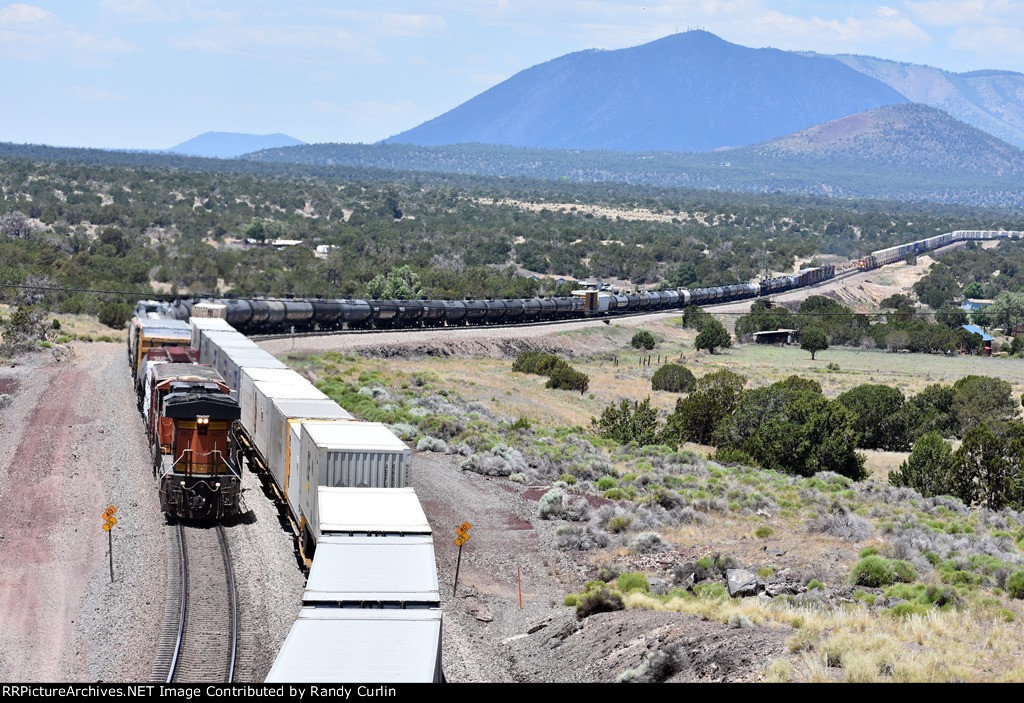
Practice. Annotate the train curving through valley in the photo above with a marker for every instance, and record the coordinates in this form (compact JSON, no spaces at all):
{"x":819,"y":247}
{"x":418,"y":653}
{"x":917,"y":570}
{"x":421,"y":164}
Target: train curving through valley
{"x":274,"y":316}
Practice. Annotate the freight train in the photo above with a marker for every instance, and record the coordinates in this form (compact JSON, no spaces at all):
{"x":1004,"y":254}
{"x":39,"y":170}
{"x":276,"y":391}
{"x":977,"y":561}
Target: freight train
{"x":220,"y":402}
{"x":273,"y":316}
{"x":261,"y":316}
{"x":188,"y":415}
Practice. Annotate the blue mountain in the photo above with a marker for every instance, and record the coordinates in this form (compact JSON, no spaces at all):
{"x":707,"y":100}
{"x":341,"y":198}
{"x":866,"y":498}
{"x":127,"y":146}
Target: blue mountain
{"x":686,"y":92}
{"x":228,"y":145}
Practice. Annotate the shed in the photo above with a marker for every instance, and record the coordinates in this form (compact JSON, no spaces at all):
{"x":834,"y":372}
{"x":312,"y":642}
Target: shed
{"x":780,"y":336}
{"x":986,"y":338}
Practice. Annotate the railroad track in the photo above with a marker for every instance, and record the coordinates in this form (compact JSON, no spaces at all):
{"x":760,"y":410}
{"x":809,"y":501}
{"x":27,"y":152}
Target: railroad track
{"x":200,"y":638}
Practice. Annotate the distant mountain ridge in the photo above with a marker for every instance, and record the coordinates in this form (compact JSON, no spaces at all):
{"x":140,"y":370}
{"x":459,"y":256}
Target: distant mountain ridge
{"x":686,"y":92}
{"x":229,"y":145}
{"x":910,"y":137}
{"x":991,"y":100}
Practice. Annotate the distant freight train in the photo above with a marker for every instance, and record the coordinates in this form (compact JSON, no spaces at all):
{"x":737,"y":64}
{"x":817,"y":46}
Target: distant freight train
{"x":264,"y":316}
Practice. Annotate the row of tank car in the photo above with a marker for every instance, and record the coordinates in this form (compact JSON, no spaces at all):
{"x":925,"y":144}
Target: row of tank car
{"x":344,"y":485}
{"x":255,"y":316}
{"x":268,"y":316}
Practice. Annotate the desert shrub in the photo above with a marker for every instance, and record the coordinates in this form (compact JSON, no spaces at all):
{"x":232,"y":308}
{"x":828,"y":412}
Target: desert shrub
{"x":633,"y":581}
{"x":763,"y":532}
{"x":629,"y":422}
{"x":1015,"y":584}
{"x":606,"y":482}
{"x":739,"y":620}
{"x":659,"y":666}
{"x":520,"y":424}
{"x":568,"y":379}
{"x":517,"y":477}
{"x":905,"y":610}
{"x":618,"y":523}
{"x":649,"y":543}
{"x":577,"y":538}
{"x":877,"y":571}
{"x":551,"y":504}
{"x":674,"y":379}
{"x":539,"y":363}
{"x":5,"y":400}
{"x":114,"y":314}
{"x":603,"y":600}
{"x":815,"y":583}
{"x":444,"y":427}
{"x":732,"y":456}
{"x":842,"y":524}
{"x":615,"y":494}
{"x":499,"y":460}
{"x":711,"y":591}
{"x":431,"y":444}
{"x":642,"y":340}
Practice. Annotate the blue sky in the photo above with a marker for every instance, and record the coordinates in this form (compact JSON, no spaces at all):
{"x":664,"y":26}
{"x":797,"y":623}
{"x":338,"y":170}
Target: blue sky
{"x":152,"y":73}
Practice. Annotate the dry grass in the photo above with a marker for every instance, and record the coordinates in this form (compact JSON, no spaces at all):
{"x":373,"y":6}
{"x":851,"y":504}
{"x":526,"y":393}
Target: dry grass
{"x":857,"y":645}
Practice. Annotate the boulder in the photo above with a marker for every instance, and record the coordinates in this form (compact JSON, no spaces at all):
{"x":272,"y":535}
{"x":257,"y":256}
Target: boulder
{"x":741,"y":582}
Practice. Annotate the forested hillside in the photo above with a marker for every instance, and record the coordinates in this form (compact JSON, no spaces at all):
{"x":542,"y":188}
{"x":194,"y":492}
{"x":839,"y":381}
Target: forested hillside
{"x":173,"y":229}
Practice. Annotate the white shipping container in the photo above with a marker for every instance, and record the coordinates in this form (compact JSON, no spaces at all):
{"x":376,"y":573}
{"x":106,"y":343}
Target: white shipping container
{"x":380,"y":571}
{"x":211,"y":340}
{"x":277,"y":436}
{"x":357,"y":454}
{"x":231,"y":364}
{"x":338,"y":645}
{"x":200,"y":324}
{"x":249,"y":376}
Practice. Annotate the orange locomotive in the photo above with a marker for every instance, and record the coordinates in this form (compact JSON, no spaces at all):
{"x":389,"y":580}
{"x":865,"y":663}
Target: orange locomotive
{"x":188,"y":419}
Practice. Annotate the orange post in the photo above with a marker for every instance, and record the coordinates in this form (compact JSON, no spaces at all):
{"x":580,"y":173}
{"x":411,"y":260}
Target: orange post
{"x":519,"y":579}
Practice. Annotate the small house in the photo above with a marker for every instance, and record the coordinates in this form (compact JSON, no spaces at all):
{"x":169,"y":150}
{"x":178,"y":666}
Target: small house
{"x":986,"y":338}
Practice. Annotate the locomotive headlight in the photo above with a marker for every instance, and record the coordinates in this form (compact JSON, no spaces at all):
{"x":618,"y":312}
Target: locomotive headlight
{"x":203,"y":420}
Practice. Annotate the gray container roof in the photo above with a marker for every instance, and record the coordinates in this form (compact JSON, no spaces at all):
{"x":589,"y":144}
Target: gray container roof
{"x":355,"y":436}
{"x":380,"y":569}
{"x":338,"y":645}
{"x":324,"y":409}
{"x":392,"y":510}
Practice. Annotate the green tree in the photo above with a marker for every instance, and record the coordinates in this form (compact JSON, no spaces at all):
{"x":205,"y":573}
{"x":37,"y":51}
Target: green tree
{"x":1006,"y":310}
{"x":696,"y":417}
{"x":880,"y":417}
{"x":401,"y":283}
{"x":673,"y":378}
{"x":813,"y":339}
{"x":951,"y":316}
{"x":982,"y":399}
{"x":712,"y":336}
{"x":694,"y":317}
{"x":937,"y":287}
{"x":984,"y":471}
{"x":795,"y":430}
{"x":974,"y":290}
{"x":933,"y":411}
{"x":929,"y":469}
{"x":629,"y":422}
{"x":642,"y":340}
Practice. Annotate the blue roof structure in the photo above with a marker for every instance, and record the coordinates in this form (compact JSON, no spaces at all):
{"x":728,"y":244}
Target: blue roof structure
{"x":985,"y":337}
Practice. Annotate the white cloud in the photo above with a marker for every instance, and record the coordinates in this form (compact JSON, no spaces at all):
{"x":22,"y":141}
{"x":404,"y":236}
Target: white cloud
{"x":410,"y":25}
{"x":20,"y":13}
{"x":995,"y":44}
{"x":146,"y":10}
{"x":89,"y":93}
{"x":957,"y":13}
{"x":96,"y":43}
